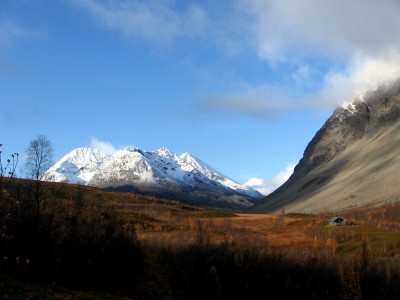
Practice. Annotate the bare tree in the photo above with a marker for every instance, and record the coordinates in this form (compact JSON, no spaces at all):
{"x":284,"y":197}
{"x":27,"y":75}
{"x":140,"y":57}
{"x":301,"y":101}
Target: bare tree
{"x":39,"y":158}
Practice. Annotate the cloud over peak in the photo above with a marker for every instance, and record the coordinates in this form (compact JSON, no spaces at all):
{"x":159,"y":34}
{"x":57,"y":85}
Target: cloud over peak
{"x":104,"y":146}
{"x":358,"y":45}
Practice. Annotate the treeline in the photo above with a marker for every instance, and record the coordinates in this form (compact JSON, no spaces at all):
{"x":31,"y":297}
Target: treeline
{"x":63,"y":241}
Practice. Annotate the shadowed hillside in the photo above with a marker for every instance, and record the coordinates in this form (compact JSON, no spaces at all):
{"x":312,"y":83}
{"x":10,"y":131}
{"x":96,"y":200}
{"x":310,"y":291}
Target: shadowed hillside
{"x":352,"y":160}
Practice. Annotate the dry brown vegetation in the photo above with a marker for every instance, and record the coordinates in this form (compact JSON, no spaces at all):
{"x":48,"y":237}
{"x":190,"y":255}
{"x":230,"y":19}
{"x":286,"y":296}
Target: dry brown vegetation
{"x":149,"y":248}
{"x":299,"y":235}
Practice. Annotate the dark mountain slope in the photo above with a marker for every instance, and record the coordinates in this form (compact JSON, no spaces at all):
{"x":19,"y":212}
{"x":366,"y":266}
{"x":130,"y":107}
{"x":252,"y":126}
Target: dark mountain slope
{"x":353,"y":160}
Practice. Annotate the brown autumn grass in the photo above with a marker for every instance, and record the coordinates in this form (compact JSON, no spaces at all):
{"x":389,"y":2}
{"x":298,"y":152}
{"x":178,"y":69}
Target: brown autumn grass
{"x":170,"y":233}
{"x":172,"y":223}
{"x":298,"y":235}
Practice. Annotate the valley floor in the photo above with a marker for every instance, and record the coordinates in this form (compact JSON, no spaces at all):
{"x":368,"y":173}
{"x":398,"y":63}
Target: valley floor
{"x":295,"y":234}
{"x":143,"y":247}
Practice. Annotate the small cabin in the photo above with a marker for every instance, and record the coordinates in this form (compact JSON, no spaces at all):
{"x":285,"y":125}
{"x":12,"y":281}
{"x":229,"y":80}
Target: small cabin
{"x":337,"y":221}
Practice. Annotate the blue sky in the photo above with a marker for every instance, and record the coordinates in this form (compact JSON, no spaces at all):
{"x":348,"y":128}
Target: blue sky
{"x":242,"y":84}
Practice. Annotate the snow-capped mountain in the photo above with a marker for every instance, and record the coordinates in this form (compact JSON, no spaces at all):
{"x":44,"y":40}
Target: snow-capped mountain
{"x":159,"y":172}
{"x":78,"y":166}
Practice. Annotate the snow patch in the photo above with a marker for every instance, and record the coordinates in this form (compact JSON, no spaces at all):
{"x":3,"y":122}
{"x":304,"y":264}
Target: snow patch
{"x":351,"y":105}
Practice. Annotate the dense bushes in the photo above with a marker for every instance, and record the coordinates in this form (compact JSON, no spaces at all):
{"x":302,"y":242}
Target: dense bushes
{"x":252,"y":272}
{"x":65,"y":242}
{"x":222,"y":272}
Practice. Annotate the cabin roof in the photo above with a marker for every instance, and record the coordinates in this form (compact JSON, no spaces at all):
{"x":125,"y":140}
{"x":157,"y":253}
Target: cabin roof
{"x":336,"y":219}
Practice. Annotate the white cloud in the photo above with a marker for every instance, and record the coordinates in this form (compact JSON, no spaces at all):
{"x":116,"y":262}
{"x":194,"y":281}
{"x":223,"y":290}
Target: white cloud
{"x":289,"y":30}
{"x":154,"y":21}
{"x":267,"y":186}
{"x":362,"y":74}
{"x":302,"y":73}
{"x":363,"y":37}
{"x":358,"y":44}
{"x":270,"y":102}
{"x":104,"y":146}
{"x":262,"y":102}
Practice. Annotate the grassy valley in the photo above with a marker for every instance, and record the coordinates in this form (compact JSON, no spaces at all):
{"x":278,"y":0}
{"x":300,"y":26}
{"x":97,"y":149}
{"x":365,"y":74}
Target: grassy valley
{"x":85,"y":243}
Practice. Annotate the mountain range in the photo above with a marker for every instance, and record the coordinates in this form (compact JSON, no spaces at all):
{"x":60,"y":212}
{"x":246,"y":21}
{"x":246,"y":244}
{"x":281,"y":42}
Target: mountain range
{"x":161,"y":173}
{"x":353,"y":160}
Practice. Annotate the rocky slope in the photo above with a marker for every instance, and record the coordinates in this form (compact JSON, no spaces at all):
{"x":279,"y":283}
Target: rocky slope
{"x":352,"y":160}
{"x":159,"y":172}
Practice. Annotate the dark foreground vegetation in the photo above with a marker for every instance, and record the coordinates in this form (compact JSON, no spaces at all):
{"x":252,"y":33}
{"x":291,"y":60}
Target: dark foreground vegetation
{"x":61,"y":239}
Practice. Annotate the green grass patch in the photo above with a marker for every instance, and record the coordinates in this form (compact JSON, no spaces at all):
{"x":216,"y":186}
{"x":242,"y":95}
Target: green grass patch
{"x":350,"y":238}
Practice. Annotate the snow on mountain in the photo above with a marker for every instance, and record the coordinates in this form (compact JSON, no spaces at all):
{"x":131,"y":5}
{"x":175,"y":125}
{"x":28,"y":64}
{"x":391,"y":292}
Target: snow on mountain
{"x":159,"y":171}
{"x":123,"y":167}
{"x":350,"y":105}
{"x":349,"y":108}
{"x":191,"y":163}
{"x":78,"y":166}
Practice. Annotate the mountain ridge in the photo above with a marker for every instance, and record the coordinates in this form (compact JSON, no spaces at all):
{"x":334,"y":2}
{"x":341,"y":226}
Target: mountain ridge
{"x":353,"y":151}
{"x":160,"y":172}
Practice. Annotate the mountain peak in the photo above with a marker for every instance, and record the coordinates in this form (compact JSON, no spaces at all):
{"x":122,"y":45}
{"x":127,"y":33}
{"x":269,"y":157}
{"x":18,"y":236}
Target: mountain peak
{"x":159,"y":172}
{"x":77,"y":166}
{"x":164,"y":152}
{"x":185,"y":155}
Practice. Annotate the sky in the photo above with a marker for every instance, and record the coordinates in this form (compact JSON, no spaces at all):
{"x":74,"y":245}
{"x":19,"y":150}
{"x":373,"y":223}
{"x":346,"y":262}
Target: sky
{"x":243,"y":85}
